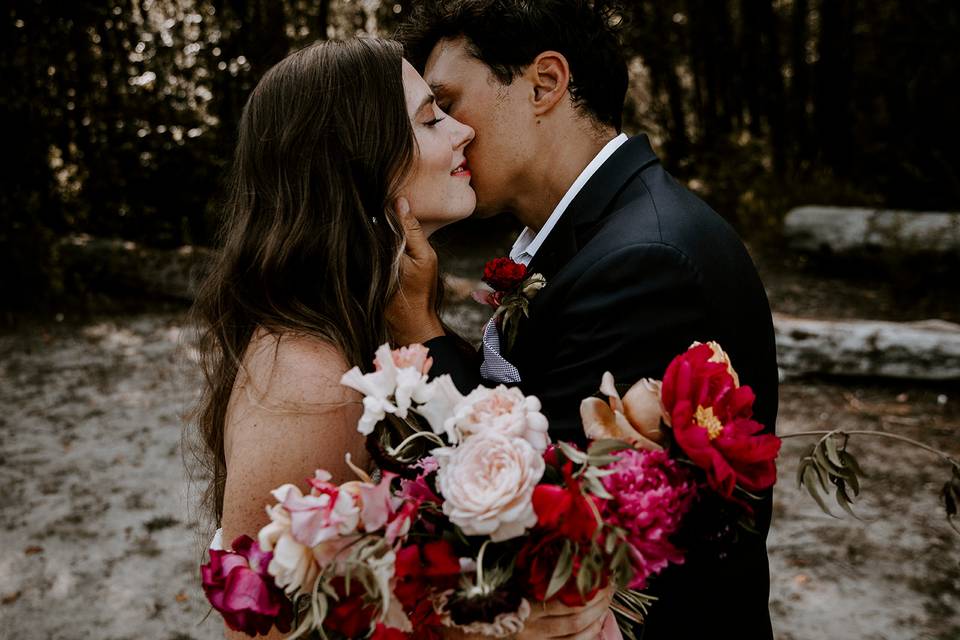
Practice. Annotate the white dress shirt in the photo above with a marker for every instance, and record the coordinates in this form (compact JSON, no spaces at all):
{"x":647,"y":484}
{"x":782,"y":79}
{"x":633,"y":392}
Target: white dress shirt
{"x":529,"y":240}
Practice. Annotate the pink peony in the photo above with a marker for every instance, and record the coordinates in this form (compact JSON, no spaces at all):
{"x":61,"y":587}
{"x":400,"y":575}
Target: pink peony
{"x":415,"y":356}
{"x":651,"y":494}
{"x":238,"y":586}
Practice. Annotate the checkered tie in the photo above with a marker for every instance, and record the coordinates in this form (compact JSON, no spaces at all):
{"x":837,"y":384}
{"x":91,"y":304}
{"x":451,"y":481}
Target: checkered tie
{"x":495,"y":367}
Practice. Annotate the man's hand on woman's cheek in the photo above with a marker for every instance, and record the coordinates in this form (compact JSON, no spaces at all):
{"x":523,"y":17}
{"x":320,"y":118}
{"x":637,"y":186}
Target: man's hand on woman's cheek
{"x":411,"y":313}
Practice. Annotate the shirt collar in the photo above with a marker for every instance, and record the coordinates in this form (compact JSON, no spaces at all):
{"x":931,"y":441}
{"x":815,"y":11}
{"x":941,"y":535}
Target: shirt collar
{"x":529,"y":241}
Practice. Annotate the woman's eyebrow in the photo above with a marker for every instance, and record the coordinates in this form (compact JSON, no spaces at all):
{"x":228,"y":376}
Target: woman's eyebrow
{"x":428,"y":99}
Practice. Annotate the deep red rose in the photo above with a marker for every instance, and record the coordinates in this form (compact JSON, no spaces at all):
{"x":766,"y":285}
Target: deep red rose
{"x":712,"y":422}
{"x":564,"y":510}
{"x":350,"y":615}
{"x":383,"y":632}
{"x":536,"y":562}
{"x":503,"y":274}
{"x":434,"y":566}
{"x":238,"y":586}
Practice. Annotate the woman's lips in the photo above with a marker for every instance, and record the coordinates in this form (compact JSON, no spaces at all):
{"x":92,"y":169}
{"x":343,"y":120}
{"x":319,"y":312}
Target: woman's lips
{"x":461,"y":171}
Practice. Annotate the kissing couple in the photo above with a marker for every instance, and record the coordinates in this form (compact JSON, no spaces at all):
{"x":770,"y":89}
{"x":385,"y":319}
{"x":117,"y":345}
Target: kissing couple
{"x":351,"y":154}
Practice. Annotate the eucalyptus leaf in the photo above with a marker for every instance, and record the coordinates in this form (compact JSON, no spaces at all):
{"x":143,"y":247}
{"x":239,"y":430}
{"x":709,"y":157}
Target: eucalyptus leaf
{"x":810,"y":481}
{"x":595,"y":487}
{"x":949,"y":500}
{"x":561,"y":573}
{"x":609,"y":544}
{"x":585,"y":578}
{"x":832,"y":452}
{"x":801,"y":467}
{"x":844,"y":500}
{"x":822,"y":475}
{"x":607,"y":446}
{"x":601,"y":460}
{"x":850,"y":461}
{"x":820,"y":455}
{"x":573,"y":454}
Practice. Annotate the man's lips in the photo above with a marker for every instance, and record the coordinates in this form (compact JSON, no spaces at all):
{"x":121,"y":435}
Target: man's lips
{"x":461,"y":170}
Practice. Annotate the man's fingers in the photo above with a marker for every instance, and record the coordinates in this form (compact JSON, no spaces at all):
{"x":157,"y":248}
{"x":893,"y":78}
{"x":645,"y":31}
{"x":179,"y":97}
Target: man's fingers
{"x":555,"y":608}
{"x":417,"y":246}
{"x":590,"y":633}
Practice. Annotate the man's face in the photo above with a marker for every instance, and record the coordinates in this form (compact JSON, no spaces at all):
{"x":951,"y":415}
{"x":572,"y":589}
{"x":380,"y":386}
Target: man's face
{"x":467,"y":90}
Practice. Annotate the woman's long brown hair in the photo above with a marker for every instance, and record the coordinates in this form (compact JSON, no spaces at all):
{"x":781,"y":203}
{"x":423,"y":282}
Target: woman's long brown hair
{"x":310,"y":243}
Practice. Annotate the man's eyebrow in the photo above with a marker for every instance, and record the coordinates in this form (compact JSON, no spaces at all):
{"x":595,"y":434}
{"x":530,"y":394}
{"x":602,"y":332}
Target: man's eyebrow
{"x":438,"y":88}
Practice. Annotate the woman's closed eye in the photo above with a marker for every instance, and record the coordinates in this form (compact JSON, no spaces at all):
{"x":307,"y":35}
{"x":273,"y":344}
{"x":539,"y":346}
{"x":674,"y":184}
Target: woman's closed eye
{"x":434,"y":122}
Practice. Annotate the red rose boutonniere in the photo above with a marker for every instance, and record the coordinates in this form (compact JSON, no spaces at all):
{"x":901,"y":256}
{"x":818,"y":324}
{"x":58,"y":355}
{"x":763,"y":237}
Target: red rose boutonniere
{"x":512,"y":292}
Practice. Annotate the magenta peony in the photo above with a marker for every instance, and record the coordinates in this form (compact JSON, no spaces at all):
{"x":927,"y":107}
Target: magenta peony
{"x":651,"y":494}
{"x":238,"y":586}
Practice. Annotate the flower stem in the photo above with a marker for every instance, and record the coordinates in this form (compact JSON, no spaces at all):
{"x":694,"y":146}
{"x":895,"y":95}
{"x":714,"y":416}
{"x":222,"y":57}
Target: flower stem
{"x":483,"y":548}
{"x":869,"y":432}
{"x":419,"y":434}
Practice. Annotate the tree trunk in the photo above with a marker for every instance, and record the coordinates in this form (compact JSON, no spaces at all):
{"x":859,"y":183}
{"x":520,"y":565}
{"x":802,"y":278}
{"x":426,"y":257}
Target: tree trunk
{"x":799,"y":81}
{"x":834,"y":79}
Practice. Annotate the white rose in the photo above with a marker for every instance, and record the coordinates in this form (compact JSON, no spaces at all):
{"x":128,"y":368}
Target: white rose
{"x":504,"y":410}
{"x":487,"y":484}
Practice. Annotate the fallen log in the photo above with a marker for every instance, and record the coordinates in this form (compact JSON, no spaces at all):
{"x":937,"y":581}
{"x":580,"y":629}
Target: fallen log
{"x":926,"y":350}
{"x":869,"y":233}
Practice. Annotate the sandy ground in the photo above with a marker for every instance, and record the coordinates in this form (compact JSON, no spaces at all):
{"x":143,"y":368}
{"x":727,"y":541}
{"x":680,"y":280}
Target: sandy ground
{"x":100,"y":537}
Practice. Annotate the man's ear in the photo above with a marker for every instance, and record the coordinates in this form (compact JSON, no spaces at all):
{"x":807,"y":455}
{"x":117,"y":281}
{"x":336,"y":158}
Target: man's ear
{"x":549,"y":73}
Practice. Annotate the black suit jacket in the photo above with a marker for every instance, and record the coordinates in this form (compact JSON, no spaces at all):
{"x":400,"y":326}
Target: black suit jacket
{"x":637,"y":269}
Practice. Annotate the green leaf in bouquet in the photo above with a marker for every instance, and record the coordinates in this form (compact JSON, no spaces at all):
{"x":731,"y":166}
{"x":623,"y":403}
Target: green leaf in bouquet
{"x":591,"y":570}
{"x":594,"y":486}
{"x":620,"y":566}
{"x":573,"y":454}
{"x":610,"y":544}
{"x":587,"y":577}
{"x":561,"y":573}
{"x":607,"y":446}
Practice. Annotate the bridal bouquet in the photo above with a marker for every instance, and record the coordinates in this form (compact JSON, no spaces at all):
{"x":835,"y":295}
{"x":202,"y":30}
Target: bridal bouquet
{"x":476,"y":514}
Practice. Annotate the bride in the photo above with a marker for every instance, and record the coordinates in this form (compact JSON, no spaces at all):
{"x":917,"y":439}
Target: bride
{"x":343,"y":156}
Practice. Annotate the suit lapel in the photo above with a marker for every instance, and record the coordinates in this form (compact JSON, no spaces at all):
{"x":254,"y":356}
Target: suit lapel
{"x":584,"y":217}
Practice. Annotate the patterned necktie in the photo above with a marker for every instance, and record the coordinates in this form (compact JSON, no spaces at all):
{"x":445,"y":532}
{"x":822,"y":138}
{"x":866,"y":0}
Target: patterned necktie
{"x":495,"y":367}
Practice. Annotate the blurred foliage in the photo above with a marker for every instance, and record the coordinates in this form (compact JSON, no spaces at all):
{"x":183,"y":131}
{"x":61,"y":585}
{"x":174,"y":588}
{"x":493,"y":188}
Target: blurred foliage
{"x":119,"y":116}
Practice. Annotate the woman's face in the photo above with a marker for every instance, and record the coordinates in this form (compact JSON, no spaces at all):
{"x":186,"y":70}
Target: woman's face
{"x":438,"y":188}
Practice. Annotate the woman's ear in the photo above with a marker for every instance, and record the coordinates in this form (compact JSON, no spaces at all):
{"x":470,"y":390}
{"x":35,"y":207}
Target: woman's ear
{"x":549,"y":73}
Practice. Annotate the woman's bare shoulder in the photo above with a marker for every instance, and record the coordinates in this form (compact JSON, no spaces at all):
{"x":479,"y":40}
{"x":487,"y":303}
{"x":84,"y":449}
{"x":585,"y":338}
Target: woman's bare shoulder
{"x":294,"y":368}
{"x":288,"y":383}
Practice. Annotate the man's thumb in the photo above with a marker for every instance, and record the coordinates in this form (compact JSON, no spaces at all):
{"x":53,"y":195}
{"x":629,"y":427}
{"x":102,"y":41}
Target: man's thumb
{"x":417,"y":245}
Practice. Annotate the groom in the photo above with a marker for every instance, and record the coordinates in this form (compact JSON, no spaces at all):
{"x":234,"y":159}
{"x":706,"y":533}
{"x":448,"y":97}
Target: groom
{"x":637,"y":267}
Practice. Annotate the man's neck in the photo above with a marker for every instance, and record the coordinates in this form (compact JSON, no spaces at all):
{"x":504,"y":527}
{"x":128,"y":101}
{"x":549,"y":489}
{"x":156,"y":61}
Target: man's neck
{"x":564,"y":158}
